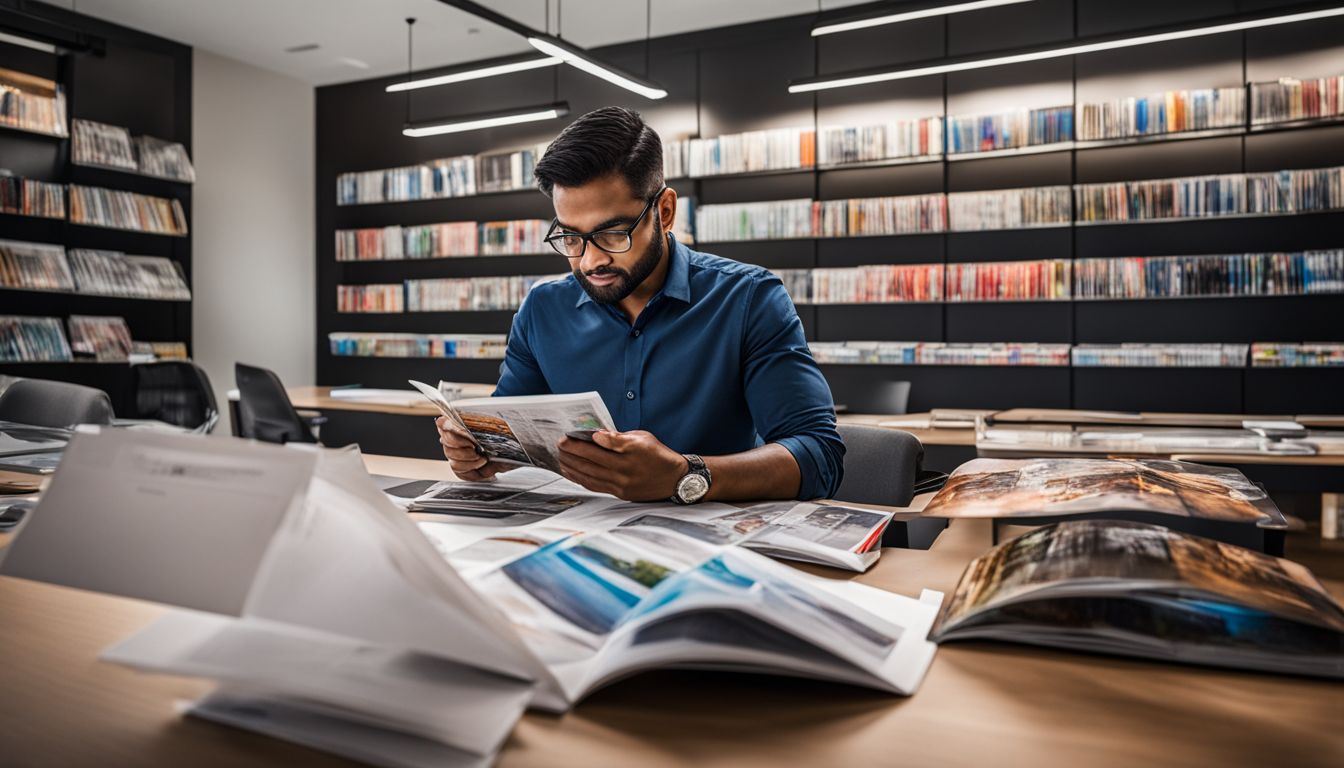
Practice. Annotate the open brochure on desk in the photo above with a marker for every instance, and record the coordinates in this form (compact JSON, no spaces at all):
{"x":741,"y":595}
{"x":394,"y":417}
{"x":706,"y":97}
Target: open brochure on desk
{"x":324,"y":611}
{"x":1133,"y":589}
{"x":533,"y":505}
{"x":525,"y":430}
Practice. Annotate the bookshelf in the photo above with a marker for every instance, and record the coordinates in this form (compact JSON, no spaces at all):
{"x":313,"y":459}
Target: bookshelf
{"x":140,"y":84}
{"x":728,"y":82}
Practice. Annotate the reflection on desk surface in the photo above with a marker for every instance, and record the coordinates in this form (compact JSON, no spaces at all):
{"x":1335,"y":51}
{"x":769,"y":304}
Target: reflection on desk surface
{"x":1019,"y":439}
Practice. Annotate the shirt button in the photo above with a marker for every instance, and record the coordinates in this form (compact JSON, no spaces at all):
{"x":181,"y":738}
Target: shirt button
{"x":629,"y":395}
{"x":635,"y":333}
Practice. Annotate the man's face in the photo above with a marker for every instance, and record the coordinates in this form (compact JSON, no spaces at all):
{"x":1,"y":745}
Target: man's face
{"x":608,"y":203}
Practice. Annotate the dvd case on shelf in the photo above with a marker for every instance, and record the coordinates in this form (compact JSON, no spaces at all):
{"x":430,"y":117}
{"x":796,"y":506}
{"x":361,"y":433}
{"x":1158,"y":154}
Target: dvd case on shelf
{"x":1237,"y":274}
{"x":798,"y":283}
{"x":769,"y":150}
{"x":25,"y":339}
{"x":34,"y":266}
{"x":1171,"y":112}
{"x":446,"y":177}
{"x":30,"y":197}
{"x":883,"y":283}
{"x":384,"y":297}
{"x":465,"y":294}
{"x":1313,"y":189}
{"x":839,"y":145}
{"x":103,"y":145}
{"x":1043,"y":280}
{"x":504,"y":171}
{"x":461,"y":345}
{"x":1321,"y":354}
{"x":163,"y":159}
{"x":149,"y":351}
{"x":31,"y":103}
{"x":1179,"y":198}
{"x":514,"y":238}
{"x":427,"y":241}
{"x":865,"y":216}
{"x":1291,"y":99}
{"x":105,"y":339}
{"x":112,"y":273}
{"x":119,"y":209}
{"x":1009,"y":130}
{"x":1009,"y":209}
{"x":773,"y":220}
{"x":1160,"y":355}
{"x":939,"y":353}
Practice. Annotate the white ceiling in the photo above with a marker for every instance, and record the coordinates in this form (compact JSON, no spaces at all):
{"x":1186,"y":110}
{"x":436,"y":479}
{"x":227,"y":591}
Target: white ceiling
{"x":360,"y":39}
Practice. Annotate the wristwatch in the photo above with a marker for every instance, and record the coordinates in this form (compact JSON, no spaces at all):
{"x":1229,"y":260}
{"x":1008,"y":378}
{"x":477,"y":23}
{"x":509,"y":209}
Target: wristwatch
{"x":693,"y":485}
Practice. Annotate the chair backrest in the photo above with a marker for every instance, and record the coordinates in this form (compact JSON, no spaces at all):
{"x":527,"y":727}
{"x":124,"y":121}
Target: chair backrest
{"x":45,"y":403}
{"x":175,"y":391}
{"x":264,"y":410}
{"x":880,"y":465}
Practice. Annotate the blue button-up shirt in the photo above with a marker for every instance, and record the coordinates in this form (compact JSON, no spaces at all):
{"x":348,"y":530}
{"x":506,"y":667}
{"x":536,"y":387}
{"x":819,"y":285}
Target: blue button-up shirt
{"x":716,"y":363}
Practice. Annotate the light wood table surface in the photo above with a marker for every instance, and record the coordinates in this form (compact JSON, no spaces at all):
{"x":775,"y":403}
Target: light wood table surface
{"x":319,"y":398}
{"x":980,"y":705}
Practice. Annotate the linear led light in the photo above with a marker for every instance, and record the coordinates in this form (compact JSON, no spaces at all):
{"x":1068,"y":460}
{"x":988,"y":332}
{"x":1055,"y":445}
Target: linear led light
{"x":580,"y":59}
{"x":849,"y":25}
{"x":487,"y":120}
{"x":36,"y":45}
{"x":476,"y":73}
{"x":863,"y":78}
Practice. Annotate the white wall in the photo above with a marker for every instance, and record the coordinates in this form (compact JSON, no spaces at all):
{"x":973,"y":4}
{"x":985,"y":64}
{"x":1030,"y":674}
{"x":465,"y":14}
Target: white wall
{"x":252,"y":217}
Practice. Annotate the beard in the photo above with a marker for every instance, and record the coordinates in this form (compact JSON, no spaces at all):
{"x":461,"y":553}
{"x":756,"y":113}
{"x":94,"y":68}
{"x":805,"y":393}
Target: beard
{"x":629,"y":281}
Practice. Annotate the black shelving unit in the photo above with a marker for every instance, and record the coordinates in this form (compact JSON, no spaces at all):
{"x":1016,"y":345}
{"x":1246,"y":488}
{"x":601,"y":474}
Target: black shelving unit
{"x":141,"y":82}
{"x":732,"y":80}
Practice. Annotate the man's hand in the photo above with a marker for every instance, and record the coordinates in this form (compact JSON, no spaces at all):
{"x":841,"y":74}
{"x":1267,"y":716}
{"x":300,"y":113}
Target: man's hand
{"x":634,"y":466}
{"x":463,"y":457}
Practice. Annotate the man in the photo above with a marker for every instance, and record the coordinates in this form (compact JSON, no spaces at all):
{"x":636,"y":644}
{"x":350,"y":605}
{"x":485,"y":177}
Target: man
{"x":701,"y":360}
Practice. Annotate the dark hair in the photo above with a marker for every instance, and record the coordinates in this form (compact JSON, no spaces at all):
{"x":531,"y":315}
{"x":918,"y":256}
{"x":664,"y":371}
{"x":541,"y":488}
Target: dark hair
{"x":604,"y":141}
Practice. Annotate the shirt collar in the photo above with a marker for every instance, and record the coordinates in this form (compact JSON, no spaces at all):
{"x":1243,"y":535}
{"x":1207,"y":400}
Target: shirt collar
{"x":677,"y":285}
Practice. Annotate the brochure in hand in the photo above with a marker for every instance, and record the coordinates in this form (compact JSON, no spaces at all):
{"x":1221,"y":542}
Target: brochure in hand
{"x":523,"y":431}
{"x":1134,"y":589}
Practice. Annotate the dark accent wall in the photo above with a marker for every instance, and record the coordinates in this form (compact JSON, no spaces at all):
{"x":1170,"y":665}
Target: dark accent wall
{"x":734,"y":79}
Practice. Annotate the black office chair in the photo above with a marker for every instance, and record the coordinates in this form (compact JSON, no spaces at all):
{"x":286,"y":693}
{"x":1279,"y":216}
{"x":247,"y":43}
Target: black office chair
{"x":885,"y":466}
{"x":177,"y":392}
{"x":265,"y":412}
{"x":44,"y":403}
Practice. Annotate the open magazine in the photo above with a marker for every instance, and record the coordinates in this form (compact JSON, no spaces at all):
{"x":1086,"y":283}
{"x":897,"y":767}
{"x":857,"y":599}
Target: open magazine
{"x":325,"y":613}
{"x":1134,"y":589}
{"x":523,"y":431}
{"x":529,"y":505}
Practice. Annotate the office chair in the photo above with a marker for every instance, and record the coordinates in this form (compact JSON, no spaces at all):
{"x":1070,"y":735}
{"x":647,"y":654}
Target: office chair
{"x":885,"y":466}
{"x":891,"y":397}
{"x":43,"y":403}
{"x":265,"y":412}
{"x":177,"y":392}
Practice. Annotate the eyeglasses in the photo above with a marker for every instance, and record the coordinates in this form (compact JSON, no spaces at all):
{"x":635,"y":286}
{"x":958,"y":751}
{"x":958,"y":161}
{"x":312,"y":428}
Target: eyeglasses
{"x":572,"y":245}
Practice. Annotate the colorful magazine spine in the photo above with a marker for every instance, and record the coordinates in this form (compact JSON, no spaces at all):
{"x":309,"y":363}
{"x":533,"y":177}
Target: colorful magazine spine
{"x":386,"y":297}
{"x":1291,"y":99}
{"x":1163,"y":113}
{"x":1009,"y":130}
{"x":30,"y":197}
{"x":1160,"y":355}
{"x":939,"y":353}
{"x":34,"y":266}
{"x":32,"y":339}
{"x":838,"y":145}
{"x":31,"y":103}
{"x":1043,"y":280}
{"x":1325,"y":354}
{"x":883,"y":283}
{"x":119,"y":209}
{"x":1238,"y":274}
{"x":1009,"y":209}
{"x":468,"y":294}
{"x":462,"y":346}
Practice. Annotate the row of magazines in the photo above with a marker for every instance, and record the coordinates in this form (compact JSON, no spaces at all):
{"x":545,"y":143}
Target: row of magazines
{"x":48,"y":267}
{"x":94,"y":338}
{"x":1261,"y":354}
{"x":93,"y":206}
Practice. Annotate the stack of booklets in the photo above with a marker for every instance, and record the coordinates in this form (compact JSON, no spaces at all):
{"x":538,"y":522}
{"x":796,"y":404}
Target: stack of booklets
{"x":100,"y":144}
{"x":458,"y":345}
{"x":920,"y":138}
{"x":32,"y":103}
{"x":1009,"y":130}
{"x":1237,"y":274}
{"x":34,"y":267}
{"x":119,"y":209}
{"x":1292,"y":99}
{"x":30,"y":197}
{"x":105,"y":339}
{"x":1160,"y":355}
{"x":328,"y":617}
{"x":1300,"y":355}
{"x":30,"y":450}
{"x":370,"y":298}
{"x":163,"y":159}
{"x":1009,"y":281}
{"x":112,"y":273}
{"x":1171,"y":112}
{"x":25,"y":339}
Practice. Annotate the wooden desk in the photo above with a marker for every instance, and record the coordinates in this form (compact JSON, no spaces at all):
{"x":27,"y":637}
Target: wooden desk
{"x":981,"y":704}
{"x":320,"y":399}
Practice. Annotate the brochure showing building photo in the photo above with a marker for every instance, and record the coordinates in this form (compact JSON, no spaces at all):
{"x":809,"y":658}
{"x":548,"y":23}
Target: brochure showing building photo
{"x":1041,"y":488}
{"x":525,"y":430}
{"x":1143,"y":590}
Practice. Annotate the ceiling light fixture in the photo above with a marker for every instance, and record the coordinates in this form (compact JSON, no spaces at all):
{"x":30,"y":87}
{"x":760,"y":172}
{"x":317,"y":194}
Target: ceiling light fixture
{"x":487,"y":120}
{"x":476,"y":72}
{"x":1112,"y":42}
{"x":878,"y":19}
{"x":572,"y":55}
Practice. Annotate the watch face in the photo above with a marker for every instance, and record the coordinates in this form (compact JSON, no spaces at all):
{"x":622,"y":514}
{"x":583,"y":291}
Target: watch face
{"x":692,"y":487}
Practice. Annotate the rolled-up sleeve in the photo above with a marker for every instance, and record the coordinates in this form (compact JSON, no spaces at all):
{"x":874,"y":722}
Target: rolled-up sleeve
{"x":789,"y":398}
{"x":520,"y":374}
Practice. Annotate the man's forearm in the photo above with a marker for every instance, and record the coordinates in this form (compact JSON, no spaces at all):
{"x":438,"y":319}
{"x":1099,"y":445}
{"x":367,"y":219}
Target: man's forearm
{"x":767,"y":472}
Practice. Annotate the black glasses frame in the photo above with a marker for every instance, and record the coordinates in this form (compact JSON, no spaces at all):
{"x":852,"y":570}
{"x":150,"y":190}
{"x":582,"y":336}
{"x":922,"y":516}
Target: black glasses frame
{"x":556,"y":240}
